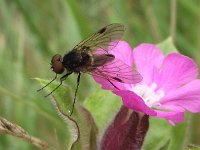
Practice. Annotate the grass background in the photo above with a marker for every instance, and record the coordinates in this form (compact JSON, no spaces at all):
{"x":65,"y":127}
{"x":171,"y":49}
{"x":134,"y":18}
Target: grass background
{"x":32,"y":31}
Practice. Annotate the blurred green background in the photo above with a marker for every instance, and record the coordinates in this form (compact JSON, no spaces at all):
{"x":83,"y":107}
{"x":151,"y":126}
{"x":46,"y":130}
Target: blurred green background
{"x":32,"y":31}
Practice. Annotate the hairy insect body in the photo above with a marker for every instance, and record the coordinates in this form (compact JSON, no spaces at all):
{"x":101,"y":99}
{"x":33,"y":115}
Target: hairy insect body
{"x":81,"y":61}
{"x":76,"y":61}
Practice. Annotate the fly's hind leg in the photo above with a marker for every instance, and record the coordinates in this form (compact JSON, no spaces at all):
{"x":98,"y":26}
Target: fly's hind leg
{"x":78,"y":81}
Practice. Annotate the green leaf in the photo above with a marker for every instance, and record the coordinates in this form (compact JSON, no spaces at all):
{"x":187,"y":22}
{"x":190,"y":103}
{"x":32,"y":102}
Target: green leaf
{"x":24,"y":10}
{"x":61,"y":99}
{"x":80,"y":121}
{"x":162,"y":135}
{"x":179,"y":135}
{"x":158,"y":134}
{"x":77,"y":16}
{"x":103,"y":106}
{"x":167,"y":46}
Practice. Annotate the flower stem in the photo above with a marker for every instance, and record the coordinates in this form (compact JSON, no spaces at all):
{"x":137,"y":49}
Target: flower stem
{"x":173,"y":19}
{"x":7,"y":127}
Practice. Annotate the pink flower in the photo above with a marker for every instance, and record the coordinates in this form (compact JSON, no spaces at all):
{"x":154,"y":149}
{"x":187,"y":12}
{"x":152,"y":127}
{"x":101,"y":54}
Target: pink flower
{"x":169,"y":86}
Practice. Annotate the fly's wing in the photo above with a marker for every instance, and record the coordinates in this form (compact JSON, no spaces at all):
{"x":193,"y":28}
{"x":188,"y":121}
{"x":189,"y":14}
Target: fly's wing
{"x":117,"y":70}
{"x":106,"y":38}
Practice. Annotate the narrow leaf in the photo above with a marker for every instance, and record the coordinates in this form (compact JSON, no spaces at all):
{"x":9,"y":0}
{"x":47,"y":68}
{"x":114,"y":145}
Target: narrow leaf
{"x":81,"y":127}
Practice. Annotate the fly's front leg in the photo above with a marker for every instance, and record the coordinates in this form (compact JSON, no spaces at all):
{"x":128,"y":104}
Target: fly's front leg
{"x":61,"y":81}
{"x":48,"y":83}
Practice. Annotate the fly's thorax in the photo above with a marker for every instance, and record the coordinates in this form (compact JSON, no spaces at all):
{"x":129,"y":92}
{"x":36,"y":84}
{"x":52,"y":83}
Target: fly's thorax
{"x":75,"y":60}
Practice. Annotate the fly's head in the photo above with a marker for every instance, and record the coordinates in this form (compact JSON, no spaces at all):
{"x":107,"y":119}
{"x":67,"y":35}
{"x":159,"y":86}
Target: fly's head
{"x":56,"y":64}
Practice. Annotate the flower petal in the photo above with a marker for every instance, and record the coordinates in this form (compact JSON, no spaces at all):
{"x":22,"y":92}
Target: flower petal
{"x":185,"y":97}
{"x":106,"y":85}
{"x":134,"y":102}
{"x":172,"y":117}
{"x":123,"y":52}
{"x":176,"y":71}
{"x":147,"y":57}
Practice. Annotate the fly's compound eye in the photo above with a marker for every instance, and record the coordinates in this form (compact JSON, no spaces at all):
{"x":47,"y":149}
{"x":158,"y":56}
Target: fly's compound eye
{"x":55,"y":58}
{"x":56,"y":64}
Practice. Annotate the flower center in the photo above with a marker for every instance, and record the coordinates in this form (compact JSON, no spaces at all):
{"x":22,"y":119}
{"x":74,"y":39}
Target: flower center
{"x":149,"y":93}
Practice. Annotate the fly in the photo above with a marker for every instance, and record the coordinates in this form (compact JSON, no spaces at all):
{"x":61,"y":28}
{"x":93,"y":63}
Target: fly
{"x":92,"y":56}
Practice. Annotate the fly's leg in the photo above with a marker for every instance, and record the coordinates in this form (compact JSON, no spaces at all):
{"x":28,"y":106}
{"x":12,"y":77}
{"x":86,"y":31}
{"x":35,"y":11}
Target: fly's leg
{"x":48,"y":83}
{"x":61,"y":81}
{"x":78,"y":81}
